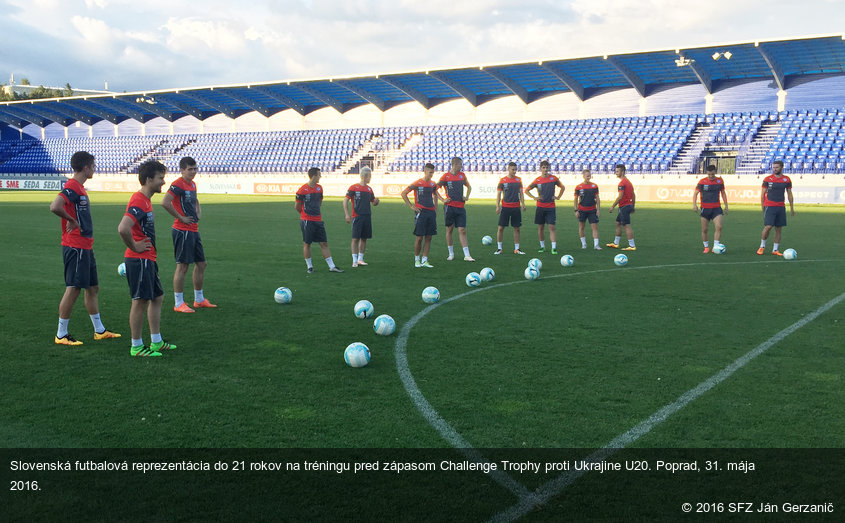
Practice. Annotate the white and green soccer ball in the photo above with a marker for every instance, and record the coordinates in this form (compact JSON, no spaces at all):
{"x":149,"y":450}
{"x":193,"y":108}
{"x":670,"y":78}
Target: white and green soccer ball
{"x":356,"y":354}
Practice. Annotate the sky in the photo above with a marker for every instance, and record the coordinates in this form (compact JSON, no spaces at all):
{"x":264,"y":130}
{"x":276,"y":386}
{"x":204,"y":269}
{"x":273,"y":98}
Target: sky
{"x":138,"y":45}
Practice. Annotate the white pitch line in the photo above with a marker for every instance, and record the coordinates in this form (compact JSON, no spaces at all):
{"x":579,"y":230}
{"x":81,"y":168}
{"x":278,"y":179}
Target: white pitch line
{"x":527,"y":498}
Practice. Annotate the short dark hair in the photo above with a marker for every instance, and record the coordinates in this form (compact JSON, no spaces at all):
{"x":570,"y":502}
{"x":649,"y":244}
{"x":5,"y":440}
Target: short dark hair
{"x":81,"y":160}
{"x":428,"y":166}
{"x":545,"y":163}
{"x":149,"y":169}
{"x":620,"y":166}
{"x":778,"y":162}
{"x":186,"y":162}
{"x":314,"y":171}
{"x":711,"y":168}
{"x":511,"y":164}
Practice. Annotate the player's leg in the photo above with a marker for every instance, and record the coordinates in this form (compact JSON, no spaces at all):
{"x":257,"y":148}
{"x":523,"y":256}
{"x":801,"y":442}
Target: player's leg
{"x":717,"y":233}
{"x":179,"y":275}
{"x":629,"y":232}
{"x":198,"y":278}
{"x":65,"y":310}
{"x":353,"y":247}
{"x":426,"y":247}
{"x":764,"y":237}
{"x":581,"y":228}
{"x":553,"y":237}
{"x":595,"y":226}
{"x":500,"y":234}
{"x":418,"y":241}
{"x":136,"y":319}
{"x":618,"y":237}
{"x":327,"y":255}
{"x":462,"y":236}
{"x":449,"y":245}
{"x":516,"y":240}
{"x":705,"y":229}
{"x":776,"y":245}
{"x":362,"y":248}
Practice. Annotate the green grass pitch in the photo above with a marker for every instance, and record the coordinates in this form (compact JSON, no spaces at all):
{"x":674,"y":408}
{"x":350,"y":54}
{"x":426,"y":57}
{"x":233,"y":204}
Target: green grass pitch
{"x":571,"y":360}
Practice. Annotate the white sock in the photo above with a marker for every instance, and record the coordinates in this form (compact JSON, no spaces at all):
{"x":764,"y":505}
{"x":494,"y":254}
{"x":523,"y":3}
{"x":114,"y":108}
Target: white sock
{"x":554,"y":245}
{"x":542,"y":244}
{"x":466,"y":251}
{"x":583,"y":241}
{"x":62,"y":332}
{"x":616,"y":241}
{"x":762,"y":244}
{"x":155,"y":338}
{"x":416,"y":259}
{"x":707,"y":244}
{"x":354,"y":258}
{"x":360,"y":256}
{"x":179,"y":297}
{"x":451,"y":250}
{"x":776,"y":247}
{"x":309,"y":263}
{"x":595,"y":242}
{"x":516,"y":246}
{"x":330,"y":262}
{"x":424,"y":259}
{"x":500,"y":245}
{"x":631,"y":243}
{"x":198,"y":297}
{"x":98,"y":325}
{"x":137,"y":343}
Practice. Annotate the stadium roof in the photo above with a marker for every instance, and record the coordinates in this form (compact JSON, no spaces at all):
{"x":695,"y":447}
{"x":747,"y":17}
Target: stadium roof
{"x":783,"y":61}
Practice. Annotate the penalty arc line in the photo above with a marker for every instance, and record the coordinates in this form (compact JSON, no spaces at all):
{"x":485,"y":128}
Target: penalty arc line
{"x":527,"y":498}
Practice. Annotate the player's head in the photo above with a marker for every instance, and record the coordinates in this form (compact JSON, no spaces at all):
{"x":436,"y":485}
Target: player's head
{"x":428,"y":171}
{"x":366,"y":174}
{"x":457,"y":164}
{"x":511,"y":169}
{"x":188,"y":167}
{"x":619,"y":170}
{"x":82,"y":160}
{"x":711,"y":171}
{"x":151,"y":174}
{"x":314,"y":174}
{"x":544,"y":167}
{"x":777,"y":166}
{"x":586,"y":174}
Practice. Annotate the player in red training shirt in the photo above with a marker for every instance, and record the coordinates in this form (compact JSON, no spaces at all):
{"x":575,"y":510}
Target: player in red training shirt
{"x":309,"y":198}
{"x":509,"y":206}
{"x":546,"y":196}
{"x":74,"y":208}
{"x":181,"y":202}
{"x":137,"y":230}
{"x":361,"y":195}
{"x":425,"y":214}
{"x":625,"y":201}
{"x":454,"y":211}
{"x":587,"y":208}
{"x":711,"y":189}
{"x":774,"y":207}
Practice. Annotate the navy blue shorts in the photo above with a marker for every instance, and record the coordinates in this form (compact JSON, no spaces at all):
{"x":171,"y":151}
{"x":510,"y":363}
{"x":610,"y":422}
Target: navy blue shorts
{"x":545,"y":215}
{"x":588,"y":216}
{"x":774,"y":216}
{"x":624,"y":216}
{"x":362,"y":227}
{"x":709,"y":214}
{"x":142,"y":275}
{"x":425,"y":223}
{"x":80,"y":267}
{"x":313,"y":231}
{"x":187,"y":246}
{"x":455,"y":216}
{"x":512,"y":215}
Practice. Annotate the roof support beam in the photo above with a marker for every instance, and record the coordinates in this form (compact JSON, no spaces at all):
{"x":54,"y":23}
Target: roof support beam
{"x":635,"y":81}
{"x":517,"y":89}
{"x":11,"y":120}
{"x":701,"y":73}
{"x":363,"y":93}
{"x":72,"y":112}
{"x":91,"y":107}
{"x":774,"y":66}
{"x":223,"y":108}
{"x":122,"y":107}
{"x":323,"y":97}
{"x":571,"y":83}
{"x":459,"y":88}
{"x":416,"y":94}
{"x":288,"y":101}
{"x":187,"y":108}
{"x":41,"y":110}
{"x":246,"y":100}
{"x":27,"y":116}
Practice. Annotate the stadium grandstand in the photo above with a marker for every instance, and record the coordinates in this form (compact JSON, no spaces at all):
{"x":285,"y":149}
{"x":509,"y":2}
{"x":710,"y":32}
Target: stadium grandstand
{"x":739,"y":105}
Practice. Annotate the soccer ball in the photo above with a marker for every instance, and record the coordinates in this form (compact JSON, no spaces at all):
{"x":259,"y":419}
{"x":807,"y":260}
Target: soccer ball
{"x":283,"y":295}
{"x":535,"y":263}
{"x":790,"y":254}
{"x":487,"y":274}
{"x":384,"y":325}
{"x":473,"y":279}
{"x":356,"y":354}
{"x":121,"y":269}
{"x":364,"y":309}
{"x":531,"y":273}
{"x":620,"y":260}
{"x":719,"y":248}
{"x":567,"y":261}
{"x":430,"y":295}
{"x":487,"y":240}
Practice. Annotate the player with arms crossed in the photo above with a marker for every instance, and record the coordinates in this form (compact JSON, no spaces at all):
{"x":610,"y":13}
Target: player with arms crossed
{"x":711,"y":189}
{"x":74,"y":208}
{"x":425,"y":214}
{"x":545,"y":213}
{"x":625,"y":201}
{"x":454,"y":211}
{"x":309,"y":198}
{"x":587,"y":208}
{"x":509,"y":206}
{"x":181,"y":201}
{"x":137,"y":230}
{"x":774,"y":207}
{"x":361,"y":195}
